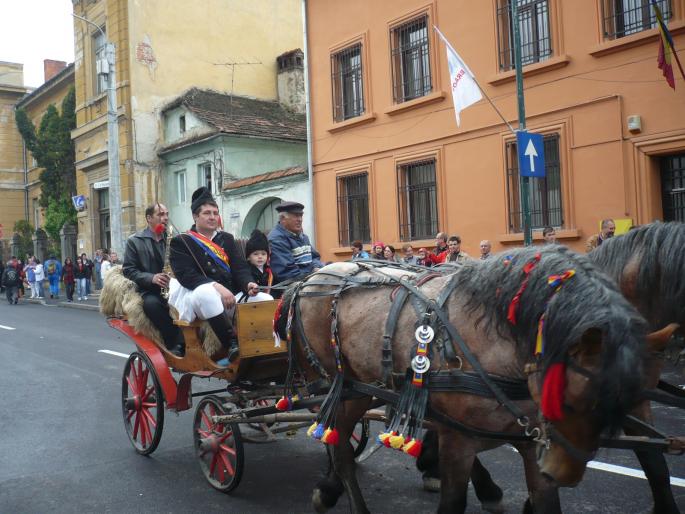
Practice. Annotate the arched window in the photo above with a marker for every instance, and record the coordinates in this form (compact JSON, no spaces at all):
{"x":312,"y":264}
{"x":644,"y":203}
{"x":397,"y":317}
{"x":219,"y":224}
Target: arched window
{"x":262,"y":215}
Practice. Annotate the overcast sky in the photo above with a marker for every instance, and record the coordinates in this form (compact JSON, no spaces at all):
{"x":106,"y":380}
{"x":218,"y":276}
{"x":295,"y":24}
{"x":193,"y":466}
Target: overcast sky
{"x":33,"y":30}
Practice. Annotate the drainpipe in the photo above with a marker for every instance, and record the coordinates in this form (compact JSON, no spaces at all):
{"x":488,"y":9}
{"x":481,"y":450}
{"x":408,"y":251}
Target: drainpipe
{"x":26,"y":179}
{"x":310,"y":170}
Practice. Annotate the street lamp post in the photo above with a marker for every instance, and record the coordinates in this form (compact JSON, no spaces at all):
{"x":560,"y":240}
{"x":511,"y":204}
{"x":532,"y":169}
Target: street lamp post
{"x":107,"y":68}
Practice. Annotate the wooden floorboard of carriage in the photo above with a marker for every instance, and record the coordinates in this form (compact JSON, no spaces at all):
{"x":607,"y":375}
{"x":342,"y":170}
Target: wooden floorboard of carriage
{"x":63,"y":447}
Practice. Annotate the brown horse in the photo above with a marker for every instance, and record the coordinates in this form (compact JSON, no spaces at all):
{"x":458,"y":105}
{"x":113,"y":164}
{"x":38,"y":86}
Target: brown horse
{"x":588,"y":327}
{"x":648,"y":264}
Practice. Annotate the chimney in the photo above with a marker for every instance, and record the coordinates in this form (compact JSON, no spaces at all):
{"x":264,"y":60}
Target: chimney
{"x":52,"y":68}
{"x":291,"y":80}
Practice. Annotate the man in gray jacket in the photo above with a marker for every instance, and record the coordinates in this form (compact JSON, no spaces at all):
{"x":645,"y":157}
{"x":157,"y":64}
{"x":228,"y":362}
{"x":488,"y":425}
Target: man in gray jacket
{"x":292,"y":254}
{"x":143,"y":264}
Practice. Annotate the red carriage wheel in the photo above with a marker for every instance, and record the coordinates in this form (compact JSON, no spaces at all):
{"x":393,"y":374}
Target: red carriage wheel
{"x":218,"y":446}
{"x":360,"y":437}
{"x":142,"y":403}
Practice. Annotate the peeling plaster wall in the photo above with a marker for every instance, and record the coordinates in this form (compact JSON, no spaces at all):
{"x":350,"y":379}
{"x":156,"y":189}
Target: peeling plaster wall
{"x":173,"y":48}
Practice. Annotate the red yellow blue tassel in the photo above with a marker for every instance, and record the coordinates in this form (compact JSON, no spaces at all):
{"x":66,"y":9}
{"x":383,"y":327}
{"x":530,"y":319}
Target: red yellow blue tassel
{"x":330,"y":436}
{"x":285,"y":403}
{"x":412,"y":447}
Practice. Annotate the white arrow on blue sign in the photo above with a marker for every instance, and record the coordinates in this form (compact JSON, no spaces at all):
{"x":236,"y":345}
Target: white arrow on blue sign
{"x":531,"y":154}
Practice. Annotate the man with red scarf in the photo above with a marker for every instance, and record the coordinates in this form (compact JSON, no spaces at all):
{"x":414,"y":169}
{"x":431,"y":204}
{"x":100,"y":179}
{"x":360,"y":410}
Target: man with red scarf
{"x":209,"y":271}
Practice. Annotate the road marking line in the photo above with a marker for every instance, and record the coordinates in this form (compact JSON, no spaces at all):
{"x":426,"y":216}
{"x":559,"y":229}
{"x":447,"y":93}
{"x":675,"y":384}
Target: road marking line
{"x":7,"y":328}
{"x":622,"y":470}
{"x":116,"y":354}
{"x":629,"y":472}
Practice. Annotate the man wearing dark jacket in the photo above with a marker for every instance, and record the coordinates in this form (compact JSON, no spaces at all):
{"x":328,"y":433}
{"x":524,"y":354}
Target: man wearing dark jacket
{"x":143,"y":264}
{"x":11,"y":279}
{"x":209,"y":269}
{"x":292,"y":255}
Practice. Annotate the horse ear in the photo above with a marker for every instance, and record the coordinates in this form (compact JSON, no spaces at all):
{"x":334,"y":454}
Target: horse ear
{"x":656,"y":341}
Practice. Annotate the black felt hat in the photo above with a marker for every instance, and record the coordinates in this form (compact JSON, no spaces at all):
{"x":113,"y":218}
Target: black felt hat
{"x":294,"y":207}
{"x":257,"y":241}
{"x":200,"y":197}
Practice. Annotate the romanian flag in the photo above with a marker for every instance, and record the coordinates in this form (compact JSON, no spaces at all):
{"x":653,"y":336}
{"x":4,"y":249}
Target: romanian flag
{"x":666,"y":48}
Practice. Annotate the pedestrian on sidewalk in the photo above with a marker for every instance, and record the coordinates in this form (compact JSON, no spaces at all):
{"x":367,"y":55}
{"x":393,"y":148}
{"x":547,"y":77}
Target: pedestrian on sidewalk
{"x":53,"y":269}
{"x":105,"y":266}
{"x":80,"y":275}
{"x":97,"y":262}
{"x":30,"y":274}
{"x":88,"y":264}
{"x":11,"y":278}
{"x":40,"y":278}
{"x":68,"y":278}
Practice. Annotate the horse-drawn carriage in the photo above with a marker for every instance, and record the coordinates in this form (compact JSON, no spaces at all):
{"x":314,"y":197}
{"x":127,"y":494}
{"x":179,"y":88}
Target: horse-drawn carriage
{"x":366,"y":333}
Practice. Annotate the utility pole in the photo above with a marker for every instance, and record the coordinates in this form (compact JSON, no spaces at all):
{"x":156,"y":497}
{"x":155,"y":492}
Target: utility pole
{"x":525,"y":181}
{"x":107,"y":67}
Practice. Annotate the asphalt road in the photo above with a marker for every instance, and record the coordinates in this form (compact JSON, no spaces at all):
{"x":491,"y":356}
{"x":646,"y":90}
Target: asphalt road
{"x":63,"y":447}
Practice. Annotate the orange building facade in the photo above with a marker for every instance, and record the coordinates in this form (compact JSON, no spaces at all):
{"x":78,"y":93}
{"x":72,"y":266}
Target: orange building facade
{"x":391,"y":164}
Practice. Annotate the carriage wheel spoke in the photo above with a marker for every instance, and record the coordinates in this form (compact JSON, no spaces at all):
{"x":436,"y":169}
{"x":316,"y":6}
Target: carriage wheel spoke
{"x":207,"y":421}
{"x":228,"y":449}
{"x":136,"y":425}
{"x":149,"y":417}
{"x":227,"y":464}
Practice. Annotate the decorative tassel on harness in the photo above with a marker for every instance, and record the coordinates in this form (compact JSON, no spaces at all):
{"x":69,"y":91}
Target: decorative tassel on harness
{"x":285,"y":403}
{"x":554,"y":383}
{"x":514,"y":305}
{"x":405,"y":425}
{"x":324,"y":428}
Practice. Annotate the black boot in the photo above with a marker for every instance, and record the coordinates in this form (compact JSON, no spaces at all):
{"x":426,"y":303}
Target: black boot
{"x":223,"y":328}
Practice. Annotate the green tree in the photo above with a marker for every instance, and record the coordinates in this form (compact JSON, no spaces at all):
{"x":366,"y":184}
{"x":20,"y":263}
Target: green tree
{"x":25,"y":231}
{"x":53,"y":149}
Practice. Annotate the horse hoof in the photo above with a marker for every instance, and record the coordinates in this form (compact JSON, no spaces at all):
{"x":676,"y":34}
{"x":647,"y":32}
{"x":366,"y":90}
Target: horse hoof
{"x":493,"y":507}
{"x":317,"y":502}
{"x":431,"y":484}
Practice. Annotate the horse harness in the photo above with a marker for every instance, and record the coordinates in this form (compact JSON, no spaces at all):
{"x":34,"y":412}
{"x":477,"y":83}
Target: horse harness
{"x":430,"y":313}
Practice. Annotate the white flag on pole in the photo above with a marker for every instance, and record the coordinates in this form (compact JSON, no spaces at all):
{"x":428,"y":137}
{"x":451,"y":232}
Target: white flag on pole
{"x":465,"y":91}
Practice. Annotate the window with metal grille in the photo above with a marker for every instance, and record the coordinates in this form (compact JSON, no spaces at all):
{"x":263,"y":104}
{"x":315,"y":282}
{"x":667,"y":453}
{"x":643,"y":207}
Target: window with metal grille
{"x":346,"y":78}
{"x":624,"y":17}
{"x":536,"y":39}
{"x":545,"y":193}
{"x":353,"y":209}
{"x":418,"y":203}
{"x":673,"y":187}
{"x":411,"y":70}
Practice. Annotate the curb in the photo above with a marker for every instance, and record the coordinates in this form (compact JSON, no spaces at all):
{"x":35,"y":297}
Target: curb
{"x":82,"y":306}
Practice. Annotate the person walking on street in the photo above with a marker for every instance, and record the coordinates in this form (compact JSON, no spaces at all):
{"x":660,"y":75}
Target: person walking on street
{"x":53,"y":269}
{"x":80,"y":274}
{"x":68,"y":278}
{"x":11,"y":278}
{"x":87,"y":263}
{"x":608,"y":227}
{"x":97,"y":263}
{"x":292,"y":254}
{"x":30,"y":274}
{"x":40,"y":278}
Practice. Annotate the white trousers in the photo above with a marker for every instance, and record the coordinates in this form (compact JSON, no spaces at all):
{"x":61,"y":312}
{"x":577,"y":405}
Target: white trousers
{"x":203,"y":302}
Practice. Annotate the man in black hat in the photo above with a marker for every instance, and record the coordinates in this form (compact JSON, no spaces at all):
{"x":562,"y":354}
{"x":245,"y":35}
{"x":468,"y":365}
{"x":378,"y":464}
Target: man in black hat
{"x":209,"y":270}
{"x":292,"y":255}
{"x":144,"y":265}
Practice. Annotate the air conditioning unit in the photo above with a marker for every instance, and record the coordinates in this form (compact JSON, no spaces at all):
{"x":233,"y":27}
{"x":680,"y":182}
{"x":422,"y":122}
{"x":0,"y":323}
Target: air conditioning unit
{"x":102,"y":67}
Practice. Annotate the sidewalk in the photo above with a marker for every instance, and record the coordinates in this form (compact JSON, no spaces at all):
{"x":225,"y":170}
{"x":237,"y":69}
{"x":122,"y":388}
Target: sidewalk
{"x":90,"y":304}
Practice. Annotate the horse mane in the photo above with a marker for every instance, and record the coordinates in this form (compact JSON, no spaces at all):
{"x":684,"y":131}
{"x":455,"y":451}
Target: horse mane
{"x":589,"y":300}
{"x":658,"y":250}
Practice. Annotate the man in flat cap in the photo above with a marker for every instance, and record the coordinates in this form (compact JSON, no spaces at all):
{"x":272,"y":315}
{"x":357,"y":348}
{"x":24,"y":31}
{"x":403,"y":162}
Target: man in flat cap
{"x":209,"y":271}
{"x":292,"y":255}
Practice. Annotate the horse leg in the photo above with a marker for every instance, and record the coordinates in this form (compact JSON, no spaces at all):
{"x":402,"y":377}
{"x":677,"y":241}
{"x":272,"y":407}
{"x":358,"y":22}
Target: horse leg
{"x":659,"y":478}
{"x":456,"y":460}
{"x":487,"y":491}
{"x":429,"y":462}
{"x":543,"y":493}
{"x":343,"y":475}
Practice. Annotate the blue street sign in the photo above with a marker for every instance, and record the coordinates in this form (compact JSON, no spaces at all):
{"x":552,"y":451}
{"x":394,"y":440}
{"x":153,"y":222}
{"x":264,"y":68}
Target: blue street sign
{"x":531,"y":154}
{"x":79,"y":202}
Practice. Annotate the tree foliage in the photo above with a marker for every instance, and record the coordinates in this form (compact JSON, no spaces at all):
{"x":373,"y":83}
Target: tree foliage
{"x":25,"y":231}
{"x":53,"y":149}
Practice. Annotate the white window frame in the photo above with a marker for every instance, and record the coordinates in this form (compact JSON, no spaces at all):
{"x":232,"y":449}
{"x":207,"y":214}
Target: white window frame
{"x":181,"y":186}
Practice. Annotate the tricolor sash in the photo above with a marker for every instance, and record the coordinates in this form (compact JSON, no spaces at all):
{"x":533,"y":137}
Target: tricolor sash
{"x":214,"y":250}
